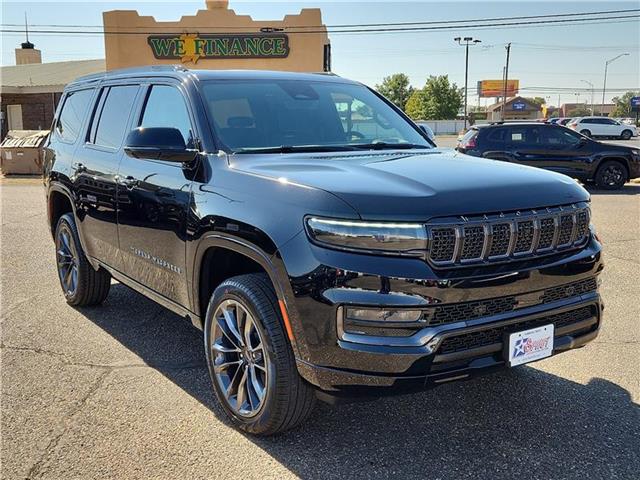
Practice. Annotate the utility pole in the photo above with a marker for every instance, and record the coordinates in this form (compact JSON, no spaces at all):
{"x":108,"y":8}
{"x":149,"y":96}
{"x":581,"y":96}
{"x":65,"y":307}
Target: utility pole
{"x":506,"y":80}
{"x":467,"y":41}
{"x":591,"y":85}
{"x":604,"y":85}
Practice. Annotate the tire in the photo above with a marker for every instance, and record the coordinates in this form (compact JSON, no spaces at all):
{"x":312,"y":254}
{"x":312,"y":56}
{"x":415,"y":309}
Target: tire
{"x":586,"y":133}
{"x":626,"y":135}
{"x":81,"y":284}
{"x":287,"y":400}
{"x":611,"y":175}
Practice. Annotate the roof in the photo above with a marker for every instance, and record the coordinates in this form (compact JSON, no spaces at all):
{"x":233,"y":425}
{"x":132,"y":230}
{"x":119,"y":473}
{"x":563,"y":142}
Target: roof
{"x":179,"y":70}
{"x":515,"y":123}
{"x":45,"y":77}
{"x":497,"y":106}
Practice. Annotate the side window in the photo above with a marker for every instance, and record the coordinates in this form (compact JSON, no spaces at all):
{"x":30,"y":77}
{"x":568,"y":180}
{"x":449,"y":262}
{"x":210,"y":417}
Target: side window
{"x":73,"y":111}
{"x":496,"y":135}
{"x":560,"y":137}
{"x":112,"y":121}
{"x":165,"y":107}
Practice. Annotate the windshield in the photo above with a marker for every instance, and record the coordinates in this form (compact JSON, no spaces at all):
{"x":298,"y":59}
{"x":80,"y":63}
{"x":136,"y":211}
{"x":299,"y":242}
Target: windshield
{"x":290,"y":115}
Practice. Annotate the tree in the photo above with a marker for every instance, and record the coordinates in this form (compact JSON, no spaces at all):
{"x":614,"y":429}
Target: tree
{"x":416,"y":106}
{"x":536,"y":100}
{"x":396,"y":88}
{"x":442,"y":99}
{"x":623,"y":105}
{"x":580,"y":112}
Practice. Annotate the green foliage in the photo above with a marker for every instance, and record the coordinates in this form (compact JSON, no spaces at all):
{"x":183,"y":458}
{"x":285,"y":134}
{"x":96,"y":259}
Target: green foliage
{"x":396,"y":88}
{"x":442,"y":99}
{"x":536,"y":100}
{"x":623,"y":105}
{"x":416,"y":106}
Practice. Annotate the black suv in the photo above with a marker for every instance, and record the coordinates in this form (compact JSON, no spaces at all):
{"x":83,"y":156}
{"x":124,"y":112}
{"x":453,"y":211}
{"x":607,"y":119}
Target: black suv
{"x":315,"y":235}
{"x":554,"y":147}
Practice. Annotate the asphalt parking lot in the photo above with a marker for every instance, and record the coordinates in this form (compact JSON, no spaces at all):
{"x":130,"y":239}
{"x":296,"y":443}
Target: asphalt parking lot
{"x":122,"y":391}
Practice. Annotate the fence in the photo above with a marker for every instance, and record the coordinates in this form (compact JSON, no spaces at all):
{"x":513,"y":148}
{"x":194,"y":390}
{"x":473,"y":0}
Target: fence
{"x":448,"y":127}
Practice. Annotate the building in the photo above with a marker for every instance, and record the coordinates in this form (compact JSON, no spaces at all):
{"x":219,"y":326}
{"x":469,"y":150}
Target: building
{"x":218,"y":38}
{"x":30,"y":90}
{"x":215,"y":38}
{"x":566,"y":109}
{"x":515,"y":108}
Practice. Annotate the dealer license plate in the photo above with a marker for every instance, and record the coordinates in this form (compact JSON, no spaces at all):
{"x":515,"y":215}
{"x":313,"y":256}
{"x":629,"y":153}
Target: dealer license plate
{"x":530,"y":345}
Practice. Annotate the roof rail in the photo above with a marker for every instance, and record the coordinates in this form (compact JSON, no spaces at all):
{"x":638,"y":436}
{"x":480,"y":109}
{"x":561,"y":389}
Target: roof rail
{"x":130,"y":70}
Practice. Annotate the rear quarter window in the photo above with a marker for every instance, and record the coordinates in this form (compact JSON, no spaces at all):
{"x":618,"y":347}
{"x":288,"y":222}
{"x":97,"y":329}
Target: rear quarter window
{"x":72,"y":114}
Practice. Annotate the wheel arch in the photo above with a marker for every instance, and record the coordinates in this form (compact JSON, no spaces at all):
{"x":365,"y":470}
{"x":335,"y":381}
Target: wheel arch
{"x":612,"y":158}
{"x":248,"y":257}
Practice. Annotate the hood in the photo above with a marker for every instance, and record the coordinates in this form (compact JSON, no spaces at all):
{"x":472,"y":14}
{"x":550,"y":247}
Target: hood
{"x":418,"y":185}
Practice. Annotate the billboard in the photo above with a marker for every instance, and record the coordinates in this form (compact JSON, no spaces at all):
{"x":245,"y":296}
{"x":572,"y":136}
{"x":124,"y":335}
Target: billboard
{"x":635,"y":104}
{"x":495,"y":88}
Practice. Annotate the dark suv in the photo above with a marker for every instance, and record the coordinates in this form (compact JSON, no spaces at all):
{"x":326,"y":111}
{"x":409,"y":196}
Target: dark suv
{"x":554,"y":147}
{"x":314,"y":234}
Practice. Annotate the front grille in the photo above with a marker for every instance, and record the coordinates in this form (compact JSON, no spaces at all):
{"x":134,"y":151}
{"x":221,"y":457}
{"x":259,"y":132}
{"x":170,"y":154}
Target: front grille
{"x":461,"y":312}
{"x":505,"y":237}
{"x":481,"y":338}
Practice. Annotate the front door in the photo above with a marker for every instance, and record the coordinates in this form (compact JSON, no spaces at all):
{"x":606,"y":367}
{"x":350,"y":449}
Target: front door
{"x":154,"y":197}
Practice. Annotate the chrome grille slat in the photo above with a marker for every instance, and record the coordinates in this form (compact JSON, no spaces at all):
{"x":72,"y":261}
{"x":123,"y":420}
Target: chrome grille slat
{"x":505,"y":237}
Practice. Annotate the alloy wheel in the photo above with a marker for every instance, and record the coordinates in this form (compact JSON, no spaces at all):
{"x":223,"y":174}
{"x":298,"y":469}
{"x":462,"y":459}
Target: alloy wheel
{"x":67,"y":260}
{"x":612,"y":175}
{"x":240,"y":363}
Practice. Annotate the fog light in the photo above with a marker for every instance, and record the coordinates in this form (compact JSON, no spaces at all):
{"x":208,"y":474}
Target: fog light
{"x":370,"y":315}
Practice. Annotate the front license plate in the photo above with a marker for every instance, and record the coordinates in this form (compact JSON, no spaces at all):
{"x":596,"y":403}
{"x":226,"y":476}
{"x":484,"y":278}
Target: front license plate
{"x":530,"y":345}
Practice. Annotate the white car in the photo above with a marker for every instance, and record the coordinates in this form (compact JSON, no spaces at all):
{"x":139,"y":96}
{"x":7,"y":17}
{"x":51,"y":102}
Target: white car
{"x":602,"y":127}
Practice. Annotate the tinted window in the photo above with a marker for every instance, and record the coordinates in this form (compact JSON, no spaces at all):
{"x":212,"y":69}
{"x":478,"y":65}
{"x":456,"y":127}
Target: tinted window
{"x":73,"y":111}
{"x":518,"y":135}
{"x":496,"y":135}
{"x":270,"y":113}
{"x":558,"y":137}
{"x":114,"y":116}
{"x":166,"y":107}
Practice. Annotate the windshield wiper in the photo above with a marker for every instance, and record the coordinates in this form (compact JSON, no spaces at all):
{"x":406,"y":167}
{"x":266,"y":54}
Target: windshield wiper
{"x":296,"y":148}
{"x":388,"y":146}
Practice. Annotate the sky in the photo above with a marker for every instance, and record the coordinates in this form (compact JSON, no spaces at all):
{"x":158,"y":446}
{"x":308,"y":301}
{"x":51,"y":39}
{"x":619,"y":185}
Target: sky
{"x":565,"y":57}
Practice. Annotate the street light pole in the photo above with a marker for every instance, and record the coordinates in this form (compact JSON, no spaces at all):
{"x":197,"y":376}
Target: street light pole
{"x":604,"y":85}
{"x":467,"y":41}
{"x":591,"y":85}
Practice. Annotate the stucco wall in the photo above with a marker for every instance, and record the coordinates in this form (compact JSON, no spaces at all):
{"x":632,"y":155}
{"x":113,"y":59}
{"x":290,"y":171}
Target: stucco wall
{"x":127,"y":45}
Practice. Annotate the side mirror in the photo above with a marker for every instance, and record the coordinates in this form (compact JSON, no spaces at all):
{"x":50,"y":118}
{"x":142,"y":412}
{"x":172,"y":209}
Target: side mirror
{"x":427,"y":130}
{"x":158,"y":143}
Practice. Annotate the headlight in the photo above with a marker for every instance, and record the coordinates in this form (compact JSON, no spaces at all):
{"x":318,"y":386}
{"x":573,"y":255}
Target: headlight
{"x":378,"y":237}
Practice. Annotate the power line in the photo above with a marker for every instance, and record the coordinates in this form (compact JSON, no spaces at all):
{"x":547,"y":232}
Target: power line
{"x":362,"y":25}
{"x":400,"y":29}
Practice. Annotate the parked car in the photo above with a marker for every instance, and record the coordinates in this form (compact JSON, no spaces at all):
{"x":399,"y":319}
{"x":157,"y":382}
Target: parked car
{"x":312,"y":231}
{"x":553,"y":120}
{"x":555,"y":148}
{"x":602,"y":127}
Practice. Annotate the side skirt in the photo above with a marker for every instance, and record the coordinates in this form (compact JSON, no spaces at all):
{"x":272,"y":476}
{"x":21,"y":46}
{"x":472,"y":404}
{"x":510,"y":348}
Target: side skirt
{"x":153,"y":295}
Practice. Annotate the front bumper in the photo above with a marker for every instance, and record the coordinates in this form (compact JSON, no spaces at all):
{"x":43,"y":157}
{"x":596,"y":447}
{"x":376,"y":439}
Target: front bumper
{"x":344,"y":363}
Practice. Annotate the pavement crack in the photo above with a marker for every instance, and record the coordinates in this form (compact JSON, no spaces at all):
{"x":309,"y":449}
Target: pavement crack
{"x":53,"y":443}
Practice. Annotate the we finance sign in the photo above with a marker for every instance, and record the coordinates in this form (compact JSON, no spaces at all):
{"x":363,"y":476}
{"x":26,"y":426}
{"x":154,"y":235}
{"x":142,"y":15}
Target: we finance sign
{"x":193,"y":47}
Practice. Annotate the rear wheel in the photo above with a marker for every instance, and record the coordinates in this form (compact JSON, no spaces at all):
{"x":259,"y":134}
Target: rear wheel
{"x":611,"y":175}
{"x":626,"y":135}
{"x":250,"y":360}
{"x":81,"y":284}
{"x":585,"y":132}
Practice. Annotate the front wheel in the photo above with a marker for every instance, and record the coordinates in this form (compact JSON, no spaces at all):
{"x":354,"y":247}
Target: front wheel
{"x":585,"y":132}
{"x":611,"y":175}
{"x":626,"y":135}
{"x":250,"y":360}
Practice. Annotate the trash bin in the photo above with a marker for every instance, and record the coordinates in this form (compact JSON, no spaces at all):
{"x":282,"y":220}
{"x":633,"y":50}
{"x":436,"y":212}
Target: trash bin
{"x":21,"y":152}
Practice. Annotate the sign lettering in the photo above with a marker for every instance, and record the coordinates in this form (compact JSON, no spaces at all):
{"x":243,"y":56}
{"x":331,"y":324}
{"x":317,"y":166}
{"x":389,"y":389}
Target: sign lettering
{"x":192,"y":47}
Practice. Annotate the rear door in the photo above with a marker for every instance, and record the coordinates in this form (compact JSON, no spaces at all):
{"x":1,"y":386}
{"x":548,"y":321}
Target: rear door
{"x":155,"y":197}
{"x":95,"y":167}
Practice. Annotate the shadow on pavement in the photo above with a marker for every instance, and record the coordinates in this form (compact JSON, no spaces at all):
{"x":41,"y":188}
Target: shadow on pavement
{"x":518,"y":423}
